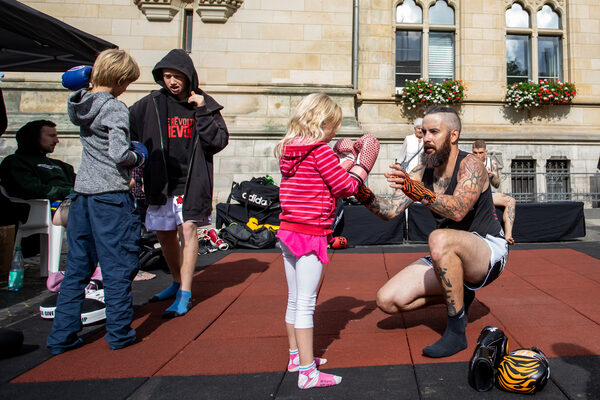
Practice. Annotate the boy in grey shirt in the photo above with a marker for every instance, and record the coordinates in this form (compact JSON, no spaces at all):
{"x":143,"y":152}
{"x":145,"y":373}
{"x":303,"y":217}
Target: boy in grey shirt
{"x":102,"y":227}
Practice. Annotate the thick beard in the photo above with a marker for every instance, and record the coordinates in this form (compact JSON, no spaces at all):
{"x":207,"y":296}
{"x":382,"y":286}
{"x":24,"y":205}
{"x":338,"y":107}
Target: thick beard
{"x":438,"y":157}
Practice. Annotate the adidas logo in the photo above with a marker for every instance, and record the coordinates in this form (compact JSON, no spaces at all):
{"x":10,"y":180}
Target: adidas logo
{"x":254,"y":198}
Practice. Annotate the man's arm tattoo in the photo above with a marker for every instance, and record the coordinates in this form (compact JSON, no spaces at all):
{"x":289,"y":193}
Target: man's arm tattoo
{"x":495,"y":180}
{"x":388,"y":208}
{"x":472,"y":177}
{"x":510,"y":208}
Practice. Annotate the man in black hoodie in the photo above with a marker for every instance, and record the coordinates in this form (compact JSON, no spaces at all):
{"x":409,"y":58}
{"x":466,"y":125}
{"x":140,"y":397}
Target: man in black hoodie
{"x":30,"y":173}
{"x":182,"y":128}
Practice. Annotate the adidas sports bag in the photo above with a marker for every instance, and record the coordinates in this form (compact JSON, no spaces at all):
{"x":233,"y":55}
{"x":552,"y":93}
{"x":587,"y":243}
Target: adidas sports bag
{"x":256,"y":193}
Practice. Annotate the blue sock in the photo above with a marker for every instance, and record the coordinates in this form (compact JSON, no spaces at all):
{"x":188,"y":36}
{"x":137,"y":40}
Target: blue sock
{"x":180,"y":306}
{"x":169,"y":292}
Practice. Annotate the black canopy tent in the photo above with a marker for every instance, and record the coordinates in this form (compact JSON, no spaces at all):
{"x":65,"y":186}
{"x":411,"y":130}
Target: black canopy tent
{"x":31,"y":41}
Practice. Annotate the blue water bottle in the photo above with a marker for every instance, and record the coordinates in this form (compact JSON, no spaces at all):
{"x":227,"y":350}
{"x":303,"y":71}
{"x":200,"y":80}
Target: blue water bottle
{"x":17,"y":271}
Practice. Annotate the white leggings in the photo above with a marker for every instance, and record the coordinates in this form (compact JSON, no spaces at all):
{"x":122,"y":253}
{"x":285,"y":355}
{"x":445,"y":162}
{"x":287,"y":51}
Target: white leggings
{"x":303,"y":275}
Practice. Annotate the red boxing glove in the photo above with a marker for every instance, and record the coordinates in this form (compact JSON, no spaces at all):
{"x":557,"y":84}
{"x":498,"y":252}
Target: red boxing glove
{"x":344,"y":148}
{"x":367,"y":148}
{"x":417,"y":191}
{"x":339,"y":242}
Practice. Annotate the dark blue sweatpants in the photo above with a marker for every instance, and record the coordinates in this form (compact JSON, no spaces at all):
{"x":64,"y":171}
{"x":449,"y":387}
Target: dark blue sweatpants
{"x":101,"y":228}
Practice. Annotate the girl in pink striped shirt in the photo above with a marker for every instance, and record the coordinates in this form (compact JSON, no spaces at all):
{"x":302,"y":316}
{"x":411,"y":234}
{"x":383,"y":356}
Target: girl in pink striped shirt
{"x":312,"y":179}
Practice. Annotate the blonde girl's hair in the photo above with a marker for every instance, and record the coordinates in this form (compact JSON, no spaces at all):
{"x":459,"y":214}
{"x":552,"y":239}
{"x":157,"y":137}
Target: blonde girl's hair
{"x":315,"y":112}
{"x":113,"y":67}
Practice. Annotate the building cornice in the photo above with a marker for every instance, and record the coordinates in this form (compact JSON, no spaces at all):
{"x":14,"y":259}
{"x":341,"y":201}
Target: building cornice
{"x":217,"y":11}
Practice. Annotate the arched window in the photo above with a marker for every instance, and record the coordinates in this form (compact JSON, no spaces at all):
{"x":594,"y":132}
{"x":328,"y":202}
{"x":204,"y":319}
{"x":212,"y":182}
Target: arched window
{"x":526,"y":38}
{"x":516,"y":17}
{"x":424,"y":42}
{"x":409,"y":13}
{"x":441,"y":14}
{"x":548,"y":18}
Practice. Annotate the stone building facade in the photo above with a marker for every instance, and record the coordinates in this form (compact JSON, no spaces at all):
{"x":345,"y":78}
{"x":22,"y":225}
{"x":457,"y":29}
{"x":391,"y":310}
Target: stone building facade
{"x":260,"y":57}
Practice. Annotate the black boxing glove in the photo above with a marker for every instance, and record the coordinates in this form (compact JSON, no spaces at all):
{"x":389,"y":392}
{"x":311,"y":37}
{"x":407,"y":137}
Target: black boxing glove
{"x":492,"y":346}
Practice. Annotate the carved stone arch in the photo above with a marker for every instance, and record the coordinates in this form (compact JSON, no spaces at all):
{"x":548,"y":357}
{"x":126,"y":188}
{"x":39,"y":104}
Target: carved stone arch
{"x":420,"y":3}
{"x":451,"y":3}
{"x":524,"y":3}
{"x":534,"y":6}
{"x":555,"y":5}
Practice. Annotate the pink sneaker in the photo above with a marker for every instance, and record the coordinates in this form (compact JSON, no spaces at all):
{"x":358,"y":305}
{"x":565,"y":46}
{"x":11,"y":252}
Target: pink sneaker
{"x":294,"y":363}
{"x":310,"y":377}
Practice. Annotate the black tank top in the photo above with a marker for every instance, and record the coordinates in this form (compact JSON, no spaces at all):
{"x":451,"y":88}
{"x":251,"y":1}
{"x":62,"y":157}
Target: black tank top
{"x":481,"y":218}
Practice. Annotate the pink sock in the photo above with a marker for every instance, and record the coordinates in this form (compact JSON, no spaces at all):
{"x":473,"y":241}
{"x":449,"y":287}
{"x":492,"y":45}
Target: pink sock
{"x":294,"y":362}
{"x":310,"y":377}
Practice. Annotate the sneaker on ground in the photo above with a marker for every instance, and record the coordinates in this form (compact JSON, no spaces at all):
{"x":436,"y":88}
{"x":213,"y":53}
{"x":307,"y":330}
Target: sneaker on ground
{"x":48,"y":306}
{"x":93,"y":308}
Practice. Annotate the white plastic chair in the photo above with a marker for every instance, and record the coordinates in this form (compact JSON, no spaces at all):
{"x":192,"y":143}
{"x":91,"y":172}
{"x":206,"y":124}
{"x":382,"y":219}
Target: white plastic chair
{"x":39,"y":220}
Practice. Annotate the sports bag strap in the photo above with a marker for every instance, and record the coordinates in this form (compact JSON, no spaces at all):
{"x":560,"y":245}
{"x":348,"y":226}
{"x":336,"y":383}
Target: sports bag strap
{"x":262,"y":216}
{"x":229,"y":200}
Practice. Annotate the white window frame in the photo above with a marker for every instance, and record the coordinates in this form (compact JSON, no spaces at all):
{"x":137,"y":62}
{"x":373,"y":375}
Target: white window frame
{"x":425,"y":28}
{"x":532,"y":8}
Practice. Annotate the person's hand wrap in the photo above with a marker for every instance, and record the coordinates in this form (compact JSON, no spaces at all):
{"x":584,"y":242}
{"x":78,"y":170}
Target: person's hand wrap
{"x":365,"y":196}
{"x":344,"y":148}
{"x":140,"y":151}
{"x":367,"y":150}
{"x":417,"y":191}
{"x":77,"y":77}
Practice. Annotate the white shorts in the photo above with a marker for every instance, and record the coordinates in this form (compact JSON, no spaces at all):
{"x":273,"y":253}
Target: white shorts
{"x":169,"y":216}
{"x":498,"y":258}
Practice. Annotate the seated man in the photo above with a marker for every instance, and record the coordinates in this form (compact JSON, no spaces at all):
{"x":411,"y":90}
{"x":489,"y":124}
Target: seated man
{"x":500,"y":199}
{"x":467,"y":250}
{"x":30,"y":173}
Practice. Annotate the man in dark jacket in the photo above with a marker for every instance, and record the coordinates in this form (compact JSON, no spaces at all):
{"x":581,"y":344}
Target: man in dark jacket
{"x":30,"y":173}
{"x":182,"y":128}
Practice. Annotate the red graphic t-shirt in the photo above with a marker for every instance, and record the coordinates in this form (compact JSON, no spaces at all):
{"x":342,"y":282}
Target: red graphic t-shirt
{"x":180,"y":128}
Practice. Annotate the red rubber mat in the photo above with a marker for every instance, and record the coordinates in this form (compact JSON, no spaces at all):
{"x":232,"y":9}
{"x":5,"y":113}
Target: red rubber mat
{"x":546,"y":298}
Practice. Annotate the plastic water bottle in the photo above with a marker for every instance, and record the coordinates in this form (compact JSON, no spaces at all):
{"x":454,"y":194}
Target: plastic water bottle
{"x":17,"y":271}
